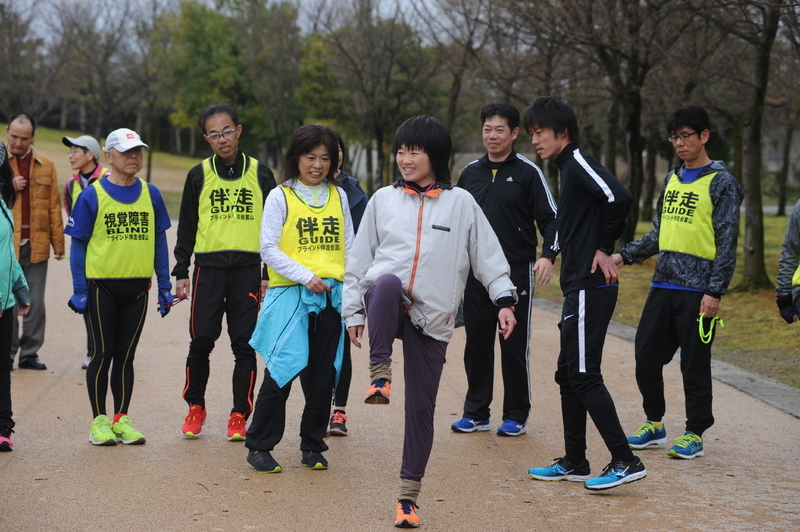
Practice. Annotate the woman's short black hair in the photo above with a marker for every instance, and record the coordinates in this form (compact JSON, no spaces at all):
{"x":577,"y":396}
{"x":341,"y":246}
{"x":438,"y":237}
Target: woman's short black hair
{"x":7,"y":189}
{"x":340,"y":142}
{"x":430,"y":135}
{"x":549,"y":112}
{"x":304,"y":140}
{"x":690,"y":115}
{"x":215,"y":109}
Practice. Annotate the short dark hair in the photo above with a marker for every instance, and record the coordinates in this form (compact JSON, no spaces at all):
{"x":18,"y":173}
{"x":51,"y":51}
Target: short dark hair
{"x":551,"y":113}
{"x":215,"y":109}
{"x":430,"y":135}
{"x":304,"y":140}
{"x":342,"y":146}
{"x":501,"y":109}
{"x":691,"y":115}
{"x":7,"y":189}
{"x":24,"y":117}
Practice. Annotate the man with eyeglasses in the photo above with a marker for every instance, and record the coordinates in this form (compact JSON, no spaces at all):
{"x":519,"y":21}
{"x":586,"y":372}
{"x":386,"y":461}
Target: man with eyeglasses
{"x":694,"y":234}
{"x":220,"y":221}
{"x":84,"y":157}
{"x":38,"y":226}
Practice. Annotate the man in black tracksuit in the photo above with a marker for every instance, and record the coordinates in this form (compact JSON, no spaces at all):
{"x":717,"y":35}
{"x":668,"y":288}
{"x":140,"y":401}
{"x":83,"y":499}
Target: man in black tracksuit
{"x":220,"y":221}
{"x":592,"y":209}
{"x":513,"y":194}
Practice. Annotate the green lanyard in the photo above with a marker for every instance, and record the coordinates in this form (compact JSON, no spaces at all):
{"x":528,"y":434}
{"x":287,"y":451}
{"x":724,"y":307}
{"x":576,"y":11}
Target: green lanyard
{"x":705,"y":337}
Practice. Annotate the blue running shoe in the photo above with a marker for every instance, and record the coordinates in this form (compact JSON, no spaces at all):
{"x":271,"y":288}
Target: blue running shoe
{"x":562,"y":469}
{"x":647,"y":435}
{"x":510,"y":428}
{"x":617,"y":473}
{"x":687,"y":446}
{"x":466,"y":424}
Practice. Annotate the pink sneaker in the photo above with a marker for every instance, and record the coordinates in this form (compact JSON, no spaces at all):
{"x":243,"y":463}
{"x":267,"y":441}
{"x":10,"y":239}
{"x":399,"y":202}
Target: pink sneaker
{"x":5,"y":439}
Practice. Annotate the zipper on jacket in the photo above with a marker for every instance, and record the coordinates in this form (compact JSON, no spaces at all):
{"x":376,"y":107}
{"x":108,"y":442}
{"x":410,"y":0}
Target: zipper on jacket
{"x":416,"y":249}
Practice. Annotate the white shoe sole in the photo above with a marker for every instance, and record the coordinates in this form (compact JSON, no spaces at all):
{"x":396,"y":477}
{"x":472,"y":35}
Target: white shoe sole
{"x":648,"y":444}
{"x":476,"y":428}
{"x":633,"y":477}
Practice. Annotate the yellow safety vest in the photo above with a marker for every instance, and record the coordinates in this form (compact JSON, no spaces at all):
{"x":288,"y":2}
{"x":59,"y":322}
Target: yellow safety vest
{"x":796,"y":277}
{"x":313,"y":237}
{"x":229,"y":212}
{"x":77,"y":187}
{"x":686,"y":218}
{"x":123,"y":242}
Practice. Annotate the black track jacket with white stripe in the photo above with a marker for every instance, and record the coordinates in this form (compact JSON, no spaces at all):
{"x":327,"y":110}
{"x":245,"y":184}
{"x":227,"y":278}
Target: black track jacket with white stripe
{"x":512,"y":201}
{"x":592,"y":209}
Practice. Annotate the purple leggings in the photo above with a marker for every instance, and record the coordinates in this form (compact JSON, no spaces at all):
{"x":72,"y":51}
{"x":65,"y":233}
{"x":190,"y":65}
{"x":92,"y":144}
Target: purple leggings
{"x":423,"y":357}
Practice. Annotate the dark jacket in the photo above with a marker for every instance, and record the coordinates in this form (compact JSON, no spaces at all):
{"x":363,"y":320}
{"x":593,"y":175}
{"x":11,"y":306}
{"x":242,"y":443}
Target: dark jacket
{"x":187,"y":222}
{"x":356,"y":197}
{"x":512,"y":201}
{"x":687,"y":270}
{"x":591,"y":215}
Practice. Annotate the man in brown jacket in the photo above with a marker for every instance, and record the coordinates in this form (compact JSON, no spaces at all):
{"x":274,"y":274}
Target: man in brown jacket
{"x":37,"y":226}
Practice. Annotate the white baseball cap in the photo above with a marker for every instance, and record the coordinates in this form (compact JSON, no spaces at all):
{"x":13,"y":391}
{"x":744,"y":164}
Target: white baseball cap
{"x":123,"y":139}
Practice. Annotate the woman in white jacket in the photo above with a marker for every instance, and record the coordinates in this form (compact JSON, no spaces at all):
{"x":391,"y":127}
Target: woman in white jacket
{"x":406,"y":273}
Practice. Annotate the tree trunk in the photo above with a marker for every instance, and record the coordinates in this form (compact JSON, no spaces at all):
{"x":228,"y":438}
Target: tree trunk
{"x":783,"y":173}
{"x":192,"y":142}
{"x":635,"y":164}
{"x":64,"y":118}
{"x":612,"y":133}
{"x":754,"y":274}
{"x":649,"y":182}
{"x":178,"y":143}
{"x":370,"y":167}
{"x":82,"y":117}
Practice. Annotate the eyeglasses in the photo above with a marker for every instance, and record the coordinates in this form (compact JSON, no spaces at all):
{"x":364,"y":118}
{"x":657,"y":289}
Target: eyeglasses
{"x":683,"y":136}
{"x":224,"y":133}
{"x":77,"y":150}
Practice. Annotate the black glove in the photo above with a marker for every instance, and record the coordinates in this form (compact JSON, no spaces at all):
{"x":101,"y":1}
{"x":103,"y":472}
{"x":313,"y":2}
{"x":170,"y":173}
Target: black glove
{"x":786,"y":308}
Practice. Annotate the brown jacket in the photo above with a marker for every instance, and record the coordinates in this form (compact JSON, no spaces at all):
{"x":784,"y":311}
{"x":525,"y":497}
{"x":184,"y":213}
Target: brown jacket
{"x":47,"y":225}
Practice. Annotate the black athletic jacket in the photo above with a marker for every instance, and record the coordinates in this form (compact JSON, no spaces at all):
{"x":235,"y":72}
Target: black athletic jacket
{"x":512,"y":201}
{"x":591,"y":215}
{"x":187,"y":221}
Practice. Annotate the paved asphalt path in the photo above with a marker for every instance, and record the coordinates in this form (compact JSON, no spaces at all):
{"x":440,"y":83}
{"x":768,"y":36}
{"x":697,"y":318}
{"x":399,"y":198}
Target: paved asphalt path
{"x":56,"y":480}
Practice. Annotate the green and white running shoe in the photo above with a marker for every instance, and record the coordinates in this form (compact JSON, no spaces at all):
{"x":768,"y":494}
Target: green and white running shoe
{"x":127,"y":433}
{"x":100,"y":432}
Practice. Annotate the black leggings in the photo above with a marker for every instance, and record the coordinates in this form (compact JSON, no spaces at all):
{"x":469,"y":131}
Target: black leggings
{"x":117,"y":309}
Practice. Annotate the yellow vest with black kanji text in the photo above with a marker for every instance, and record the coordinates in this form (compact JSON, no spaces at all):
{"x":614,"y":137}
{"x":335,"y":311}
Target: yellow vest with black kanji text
{"x":313,"y":237}
{"x":686,"y":218}
{"x":229,"y":211}
{"x":123,"y":242}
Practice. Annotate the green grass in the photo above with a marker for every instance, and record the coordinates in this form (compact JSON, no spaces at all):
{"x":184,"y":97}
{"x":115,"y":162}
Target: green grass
{"x":754,"y":338}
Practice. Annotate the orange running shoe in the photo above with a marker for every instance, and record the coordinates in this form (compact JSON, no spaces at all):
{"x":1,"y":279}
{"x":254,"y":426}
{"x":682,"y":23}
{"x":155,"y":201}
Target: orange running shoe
{"x":378,"y":393}
{"x":193,"y":424}
{"x":406,"y":515}
{"x":237,"y":430}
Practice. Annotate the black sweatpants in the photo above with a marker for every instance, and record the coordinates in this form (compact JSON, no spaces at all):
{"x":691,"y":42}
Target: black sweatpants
{"x":234,"y":292}
{"x":669,"y":321}
{"x":6,"y":325}
{"x":584,"y":322}
{"x":480,"y":324}
{"x":117,"y":309}
{"x":269,"y":416}
{"x":342,"y":391}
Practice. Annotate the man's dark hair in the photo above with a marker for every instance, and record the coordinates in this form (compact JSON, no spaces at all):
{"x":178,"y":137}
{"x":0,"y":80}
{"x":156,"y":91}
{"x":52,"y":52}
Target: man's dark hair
{"x":692,"y":116}
{"x":430,"y":135}
{"x":303,"y":141}
{"x":24,"y":117}
{"x":342,"y":146}
{"x":503,"y":110}
{"x":215,"y":109}
{"x":551,"y":113}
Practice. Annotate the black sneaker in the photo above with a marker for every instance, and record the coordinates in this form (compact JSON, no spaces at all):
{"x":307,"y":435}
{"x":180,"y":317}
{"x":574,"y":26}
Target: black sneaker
{"x":338,"y":425}
{"x":5,"y":439}
{"x":562,"y":469}
{"x":263,"y":462}
{"x":314,"y":460}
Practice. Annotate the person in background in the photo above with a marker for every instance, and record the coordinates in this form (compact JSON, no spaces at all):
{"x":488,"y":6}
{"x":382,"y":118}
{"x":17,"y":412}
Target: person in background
{"x":13,"y":291}
{"x":84,"y":157}
{"x":118,"y":228}
{"x":38,"y":226}
{"x":357,"y":199}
